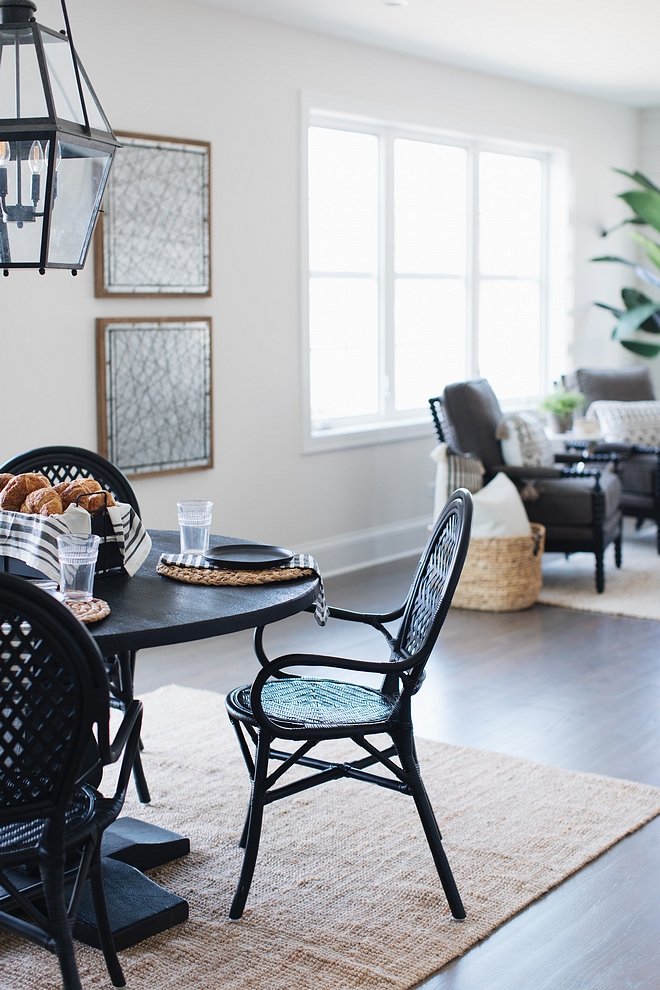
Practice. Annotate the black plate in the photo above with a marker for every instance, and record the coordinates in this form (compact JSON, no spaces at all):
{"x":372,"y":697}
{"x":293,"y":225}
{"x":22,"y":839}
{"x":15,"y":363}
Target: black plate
{"x":248,"y":556}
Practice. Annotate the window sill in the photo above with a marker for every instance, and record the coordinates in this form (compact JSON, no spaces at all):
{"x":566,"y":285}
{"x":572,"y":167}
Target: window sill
{"x":368,"y":435}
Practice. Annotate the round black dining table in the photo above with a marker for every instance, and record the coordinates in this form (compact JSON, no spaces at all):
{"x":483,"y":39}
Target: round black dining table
{"x":151,"y":610}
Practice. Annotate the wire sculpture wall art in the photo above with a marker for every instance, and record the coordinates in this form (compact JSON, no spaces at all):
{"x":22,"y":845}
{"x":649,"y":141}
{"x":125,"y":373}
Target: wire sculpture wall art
{"x":153,"y":237}
{"x":154,"y":394}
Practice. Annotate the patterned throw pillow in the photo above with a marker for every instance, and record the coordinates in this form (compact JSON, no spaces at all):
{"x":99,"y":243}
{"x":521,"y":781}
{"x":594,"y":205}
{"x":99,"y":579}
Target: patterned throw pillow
{"x":524,"y":443}
{"x":454,"y":472}
{"x":628,"y":422}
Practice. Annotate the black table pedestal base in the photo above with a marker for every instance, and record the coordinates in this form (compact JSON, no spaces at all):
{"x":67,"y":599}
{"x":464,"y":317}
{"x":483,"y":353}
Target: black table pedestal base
{"x":137,"y":907}
{"x":141,"y":844}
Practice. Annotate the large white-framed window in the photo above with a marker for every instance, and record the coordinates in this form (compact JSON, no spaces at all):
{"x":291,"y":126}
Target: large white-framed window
{"x":428,"y":257}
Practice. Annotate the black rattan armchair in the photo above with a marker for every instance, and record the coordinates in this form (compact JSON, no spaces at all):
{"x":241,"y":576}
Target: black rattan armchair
{"x":309,"y":709}
{"x":66,"y":464}
{"x":54,"y":692}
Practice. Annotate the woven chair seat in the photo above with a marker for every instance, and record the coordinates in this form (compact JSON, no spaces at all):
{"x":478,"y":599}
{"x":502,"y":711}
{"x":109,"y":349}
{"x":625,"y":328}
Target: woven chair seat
{"x":19,"y":837}
{"x":315,"y":703}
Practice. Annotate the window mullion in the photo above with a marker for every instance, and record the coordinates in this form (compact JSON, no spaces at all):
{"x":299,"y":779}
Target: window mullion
{"x":387,"y":275}
{"x":473,"y":273}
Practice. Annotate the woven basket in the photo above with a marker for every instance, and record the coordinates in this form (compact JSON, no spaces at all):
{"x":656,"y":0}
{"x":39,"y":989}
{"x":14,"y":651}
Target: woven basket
{"x":502,"y":573}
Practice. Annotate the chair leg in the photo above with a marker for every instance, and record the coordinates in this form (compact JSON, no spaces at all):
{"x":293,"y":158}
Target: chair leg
{"x":405,"y":746}
{"x":617,"y":551}
{"x":52,"y":878}
{"x":639,"y":522}
{"x":600,"y":574}
{"x":103,"y":921}
{"x":255,"y":818}
{"x":144,"y":797}
{"x":244,"y":833}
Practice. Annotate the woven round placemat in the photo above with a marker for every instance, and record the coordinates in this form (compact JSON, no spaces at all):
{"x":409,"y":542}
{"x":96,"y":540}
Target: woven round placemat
{"x":220,"y":576}
{"x":91,"y":611}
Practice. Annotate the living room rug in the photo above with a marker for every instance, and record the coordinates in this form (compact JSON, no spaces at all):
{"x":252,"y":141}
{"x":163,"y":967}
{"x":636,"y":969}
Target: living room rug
{"x":634,"y":590}
{"x":345,"y":893}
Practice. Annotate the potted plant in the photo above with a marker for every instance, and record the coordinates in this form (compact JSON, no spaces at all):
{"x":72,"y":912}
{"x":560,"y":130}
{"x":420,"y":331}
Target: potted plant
{"x":561,"y":404}
{"x":638,"y":324}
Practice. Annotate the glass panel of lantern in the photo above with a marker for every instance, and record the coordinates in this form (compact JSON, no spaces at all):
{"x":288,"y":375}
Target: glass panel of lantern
{"x":62,"y":76}
{"x":80,"y":174}
{"x":18,"y":61}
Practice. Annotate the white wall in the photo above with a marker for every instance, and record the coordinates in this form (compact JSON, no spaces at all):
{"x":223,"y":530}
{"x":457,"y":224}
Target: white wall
{"x":190,"y":71}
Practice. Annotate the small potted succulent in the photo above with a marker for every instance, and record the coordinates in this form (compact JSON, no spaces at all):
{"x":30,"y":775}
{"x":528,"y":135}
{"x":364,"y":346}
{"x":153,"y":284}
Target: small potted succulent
{"x":561,"y":405}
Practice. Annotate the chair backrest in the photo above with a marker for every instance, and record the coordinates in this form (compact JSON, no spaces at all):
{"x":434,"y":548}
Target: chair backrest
{"x":54,"y":688}
{"x":472,"y":414}
{"x":435,"y":582}
{"x":67,"y":463}
{"x":630,"y":384}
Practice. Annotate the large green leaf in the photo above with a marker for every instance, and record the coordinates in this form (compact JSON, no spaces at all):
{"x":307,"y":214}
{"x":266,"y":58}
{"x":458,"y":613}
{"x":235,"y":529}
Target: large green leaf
{"x":632,"y":298}
{"x":652,"y":249}
{"x":642,"y":180}
{"x":613,"y":309}
{"x":643,"y":274}
{"x":645,"y":203}
{"x":634,"y":318}
{"x":644,"y":350}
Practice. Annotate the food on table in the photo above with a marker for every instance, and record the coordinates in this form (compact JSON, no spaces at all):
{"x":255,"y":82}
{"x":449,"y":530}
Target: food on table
{"x":43,"y":502}
{"x":81,"y":486}
{"x":32,"y":494}
{"x":17,"y":490}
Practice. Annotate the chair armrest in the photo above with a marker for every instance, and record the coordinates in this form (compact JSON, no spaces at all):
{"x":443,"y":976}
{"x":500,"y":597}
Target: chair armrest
{"x":514,"y":471}
{"x":376,"y":620}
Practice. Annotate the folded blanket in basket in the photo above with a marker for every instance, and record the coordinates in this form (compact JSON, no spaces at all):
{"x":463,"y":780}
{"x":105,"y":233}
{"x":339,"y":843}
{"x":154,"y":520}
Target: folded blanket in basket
{"x":33,"y":538}
{"x":299,"y":560}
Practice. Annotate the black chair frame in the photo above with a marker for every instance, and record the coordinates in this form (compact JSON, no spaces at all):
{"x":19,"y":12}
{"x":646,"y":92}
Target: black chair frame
{"x":66,"y":464}
{"x":55,"y":693}
{"x":422,"y":616}
{"x":569,"y":465}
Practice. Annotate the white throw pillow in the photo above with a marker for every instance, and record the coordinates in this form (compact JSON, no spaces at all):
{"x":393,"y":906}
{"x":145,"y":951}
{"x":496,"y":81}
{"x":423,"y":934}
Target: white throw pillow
{"x":628,"y":422}
{"x":524,"y":442}
{"x":499,"y":510}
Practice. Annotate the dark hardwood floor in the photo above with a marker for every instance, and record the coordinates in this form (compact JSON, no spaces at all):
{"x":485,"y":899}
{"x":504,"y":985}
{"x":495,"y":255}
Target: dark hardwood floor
{"x":571,"y":689}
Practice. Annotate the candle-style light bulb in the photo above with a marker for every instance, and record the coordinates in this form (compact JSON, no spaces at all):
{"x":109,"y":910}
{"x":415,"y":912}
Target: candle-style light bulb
{"x":36,"y":162}
{"x":5,"y":153}
{"x":36,"y":158}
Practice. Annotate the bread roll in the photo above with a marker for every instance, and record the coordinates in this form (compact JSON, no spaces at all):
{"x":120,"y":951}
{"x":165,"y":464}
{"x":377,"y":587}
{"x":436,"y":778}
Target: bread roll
{"x":63,"y":485}
{"x":96,"y":502}
{"x":5,"y":479}
{"x":17,"y":490}
{"x":43,"y":502}
{"x":81,"y":486}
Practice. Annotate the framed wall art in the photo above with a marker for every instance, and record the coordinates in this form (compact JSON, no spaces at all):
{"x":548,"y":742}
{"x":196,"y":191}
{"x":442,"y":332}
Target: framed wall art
{"x":154,"y":394}
{"x":153,"y":236}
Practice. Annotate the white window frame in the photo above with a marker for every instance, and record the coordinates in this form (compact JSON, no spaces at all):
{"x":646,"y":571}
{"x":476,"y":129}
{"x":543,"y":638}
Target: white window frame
{"x":393,"y":425}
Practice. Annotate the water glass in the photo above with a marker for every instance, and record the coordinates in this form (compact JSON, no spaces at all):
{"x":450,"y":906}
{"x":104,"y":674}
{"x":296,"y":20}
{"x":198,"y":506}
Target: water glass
{"x":77,"y":564}
{"x":195,"y":525}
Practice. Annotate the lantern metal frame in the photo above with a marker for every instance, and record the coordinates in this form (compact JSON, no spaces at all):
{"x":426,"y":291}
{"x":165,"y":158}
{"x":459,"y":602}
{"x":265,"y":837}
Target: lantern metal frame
{"x":51,"y":132}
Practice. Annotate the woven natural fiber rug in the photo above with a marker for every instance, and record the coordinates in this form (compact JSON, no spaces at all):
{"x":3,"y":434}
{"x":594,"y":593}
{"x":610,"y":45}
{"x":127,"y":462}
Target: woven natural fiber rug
{"x":345,"y":894}
{"x":634,"y":590}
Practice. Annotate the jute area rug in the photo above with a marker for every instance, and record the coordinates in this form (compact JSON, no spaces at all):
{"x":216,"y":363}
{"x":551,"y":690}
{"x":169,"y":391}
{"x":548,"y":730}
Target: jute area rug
{"x":634,"y":590}
{"x":345,"y":893}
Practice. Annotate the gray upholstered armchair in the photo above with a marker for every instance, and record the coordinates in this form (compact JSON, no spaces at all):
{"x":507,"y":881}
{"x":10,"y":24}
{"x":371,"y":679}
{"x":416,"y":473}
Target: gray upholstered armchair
{"x":578,"y":506}
{"x":638,"y":467}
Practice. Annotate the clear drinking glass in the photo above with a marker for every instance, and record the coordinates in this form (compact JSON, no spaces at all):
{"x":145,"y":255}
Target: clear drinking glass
{"x":77,"y":563}
{"x":195,"y":525}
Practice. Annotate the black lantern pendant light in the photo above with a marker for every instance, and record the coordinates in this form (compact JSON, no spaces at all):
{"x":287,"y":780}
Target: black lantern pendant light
{"x":56,"y":145}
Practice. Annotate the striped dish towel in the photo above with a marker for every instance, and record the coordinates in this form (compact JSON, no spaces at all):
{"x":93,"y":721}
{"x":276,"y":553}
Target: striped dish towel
{"x":302,"y":560}
{"x":33,"y":538}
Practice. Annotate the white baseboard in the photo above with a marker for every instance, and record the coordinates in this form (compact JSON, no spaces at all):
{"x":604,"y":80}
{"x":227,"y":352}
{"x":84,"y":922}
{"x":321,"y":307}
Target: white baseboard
{"x":367,"y":547}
